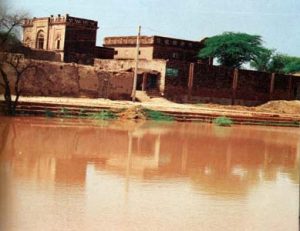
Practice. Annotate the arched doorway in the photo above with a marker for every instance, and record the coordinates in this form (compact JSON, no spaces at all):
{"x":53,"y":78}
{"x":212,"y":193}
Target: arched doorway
{"x":57,"y":42}
{"x":40,"y":40}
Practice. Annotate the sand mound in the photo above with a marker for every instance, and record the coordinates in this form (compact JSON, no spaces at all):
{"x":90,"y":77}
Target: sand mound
{"x":281,"y":106}
{"x":135,"y":112}
{"x":278,"y":106}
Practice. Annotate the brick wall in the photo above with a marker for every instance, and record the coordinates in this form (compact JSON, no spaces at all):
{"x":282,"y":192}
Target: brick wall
{"x":176,"y":86}
{"x":111,"y":79}
{"x":216,"y":84}
{"x":212,"y":82}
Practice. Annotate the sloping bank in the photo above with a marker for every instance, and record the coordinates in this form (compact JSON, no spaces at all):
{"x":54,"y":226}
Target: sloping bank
{"x":275,"y":113}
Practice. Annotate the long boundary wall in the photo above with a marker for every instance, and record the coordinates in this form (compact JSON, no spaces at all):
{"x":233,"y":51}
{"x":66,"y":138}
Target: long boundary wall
{"x":196,"y":82}
{"x":191,"y":82}
{"x":72,"y":80}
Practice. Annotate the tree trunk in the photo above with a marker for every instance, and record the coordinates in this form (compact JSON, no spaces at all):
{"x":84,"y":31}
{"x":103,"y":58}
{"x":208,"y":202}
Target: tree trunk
{"x":7,"y":94}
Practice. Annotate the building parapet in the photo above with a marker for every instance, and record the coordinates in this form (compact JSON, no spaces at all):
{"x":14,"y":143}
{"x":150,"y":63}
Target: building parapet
{"x":57,"y":20}
{"x":60,"y":19}
{"x":27,"y":22}
{"x":81,"y":22}
{"x":127,"y":40}
{"x":152,"y":40}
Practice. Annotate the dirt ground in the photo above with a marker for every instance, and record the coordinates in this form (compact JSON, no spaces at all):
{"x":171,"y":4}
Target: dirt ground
{"x":279,"y":106}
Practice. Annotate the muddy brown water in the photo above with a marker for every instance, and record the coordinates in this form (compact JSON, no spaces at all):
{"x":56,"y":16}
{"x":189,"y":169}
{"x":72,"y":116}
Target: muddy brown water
{"x":64,"y":174}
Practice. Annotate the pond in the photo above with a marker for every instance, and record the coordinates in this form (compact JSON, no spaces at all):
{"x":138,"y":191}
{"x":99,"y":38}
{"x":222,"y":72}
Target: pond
{"x":69,"y":174}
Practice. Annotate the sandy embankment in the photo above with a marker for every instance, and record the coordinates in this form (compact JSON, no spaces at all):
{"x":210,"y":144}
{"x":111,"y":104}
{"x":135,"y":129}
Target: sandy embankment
{"x":281,"y":107}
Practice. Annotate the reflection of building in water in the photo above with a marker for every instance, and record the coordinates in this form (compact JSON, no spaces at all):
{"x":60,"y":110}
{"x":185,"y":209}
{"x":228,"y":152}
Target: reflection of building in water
{"x":233,"y":161}
{"x":70,"y":171}
{"x":42,"y":170}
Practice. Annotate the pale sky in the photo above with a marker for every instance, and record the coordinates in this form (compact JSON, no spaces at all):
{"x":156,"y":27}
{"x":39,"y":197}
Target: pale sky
{"x":277,"y":21}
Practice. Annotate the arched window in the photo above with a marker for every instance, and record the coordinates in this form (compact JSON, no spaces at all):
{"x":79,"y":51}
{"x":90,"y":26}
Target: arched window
{"x":57,"y":44}
{"x":40,"y":38}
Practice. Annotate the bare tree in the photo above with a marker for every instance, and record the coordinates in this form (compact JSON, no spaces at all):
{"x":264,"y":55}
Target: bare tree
{"x":12,"y":66}
{"x":10,"y":28}
{"x":17,"y":66}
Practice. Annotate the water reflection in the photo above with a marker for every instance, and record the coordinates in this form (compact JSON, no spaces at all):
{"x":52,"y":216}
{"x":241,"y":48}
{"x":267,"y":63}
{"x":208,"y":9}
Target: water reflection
{"x":49,"y":151}
{"x":213,"y":161}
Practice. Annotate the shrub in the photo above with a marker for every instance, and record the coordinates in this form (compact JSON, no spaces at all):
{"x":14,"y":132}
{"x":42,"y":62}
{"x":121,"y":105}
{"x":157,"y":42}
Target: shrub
{"x":64,"y":112}
{"x":297,"y":123}
{"x":157,"y":115}
{"x":223,"y":121}
{"x":49,"y":113}
{"x":104,"y":115}
{"x":82,"y":113}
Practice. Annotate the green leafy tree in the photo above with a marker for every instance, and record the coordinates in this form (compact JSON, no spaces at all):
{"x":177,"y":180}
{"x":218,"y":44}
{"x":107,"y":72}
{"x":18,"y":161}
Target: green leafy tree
{"x":233,"y":49}
{"x":292,"y":67}
{"x":262,"y":62}
{"x":278,"y":63}
{"x":281,"y":63}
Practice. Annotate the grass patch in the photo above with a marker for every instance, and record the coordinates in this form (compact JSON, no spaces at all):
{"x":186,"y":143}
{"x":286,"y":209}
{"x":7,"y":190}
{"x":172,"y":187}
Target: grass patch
{"x":198,"y":103}
{"x":157,"y":115}
{"x":275,"y":124}
{"x":297,"y":123}
{"x":223,"y":121}
{"x":64,"y":112}
{"x":82,"y":113}
{"x":104,"y":115}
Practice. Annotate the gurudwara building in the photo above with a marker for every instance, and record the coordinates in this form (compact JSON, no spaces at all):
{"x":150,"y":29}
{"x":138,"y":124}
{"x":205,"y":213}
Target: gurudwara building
{"x":73,"y":38}
{"x":155,"y":47}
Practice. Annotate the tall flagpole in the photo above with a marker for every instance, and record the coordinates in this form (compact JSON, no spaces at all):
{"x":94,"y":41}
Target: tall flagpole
{"x":136,"y":64}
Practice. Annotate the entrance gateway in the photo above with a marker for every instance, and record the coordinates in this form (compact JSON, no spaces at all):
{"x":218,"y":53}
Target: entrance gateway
{"x":147,"y":80}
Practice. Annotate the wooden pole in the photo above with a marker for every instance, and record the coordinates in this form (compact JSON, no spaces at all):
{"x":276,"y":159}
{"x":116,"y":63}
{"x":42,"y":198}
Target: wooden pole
{"x":234,"y":85}
{"x":272,"y":85}
{"x":128,"y":163}
{"x":290,"y":87}
{"x":136,"y":64}
{"x":191,"y":80}
{"x":210,"y":61}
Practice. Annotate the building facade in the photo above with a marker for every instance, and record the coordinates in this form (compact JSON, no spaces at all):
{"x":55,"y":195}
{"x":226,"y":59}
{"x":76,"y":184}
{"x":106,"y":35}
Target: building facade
{"x":154,"y":47}
{"x":74,"y":38}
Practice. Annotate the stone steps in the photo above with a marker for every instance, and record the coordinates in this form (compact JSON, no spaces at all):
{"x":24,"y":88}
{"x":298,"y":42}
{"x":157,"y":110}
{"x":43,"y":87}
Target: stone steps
{"x":142,"y":96}
{"x":41,"y":109}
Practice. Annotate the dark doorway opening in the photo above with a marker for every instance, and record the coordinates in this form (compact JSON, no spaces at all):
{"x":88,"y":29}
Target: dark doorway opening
{"x":151,"y":82}
{"x":40,"y":40}
{"x":147,"y":81}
